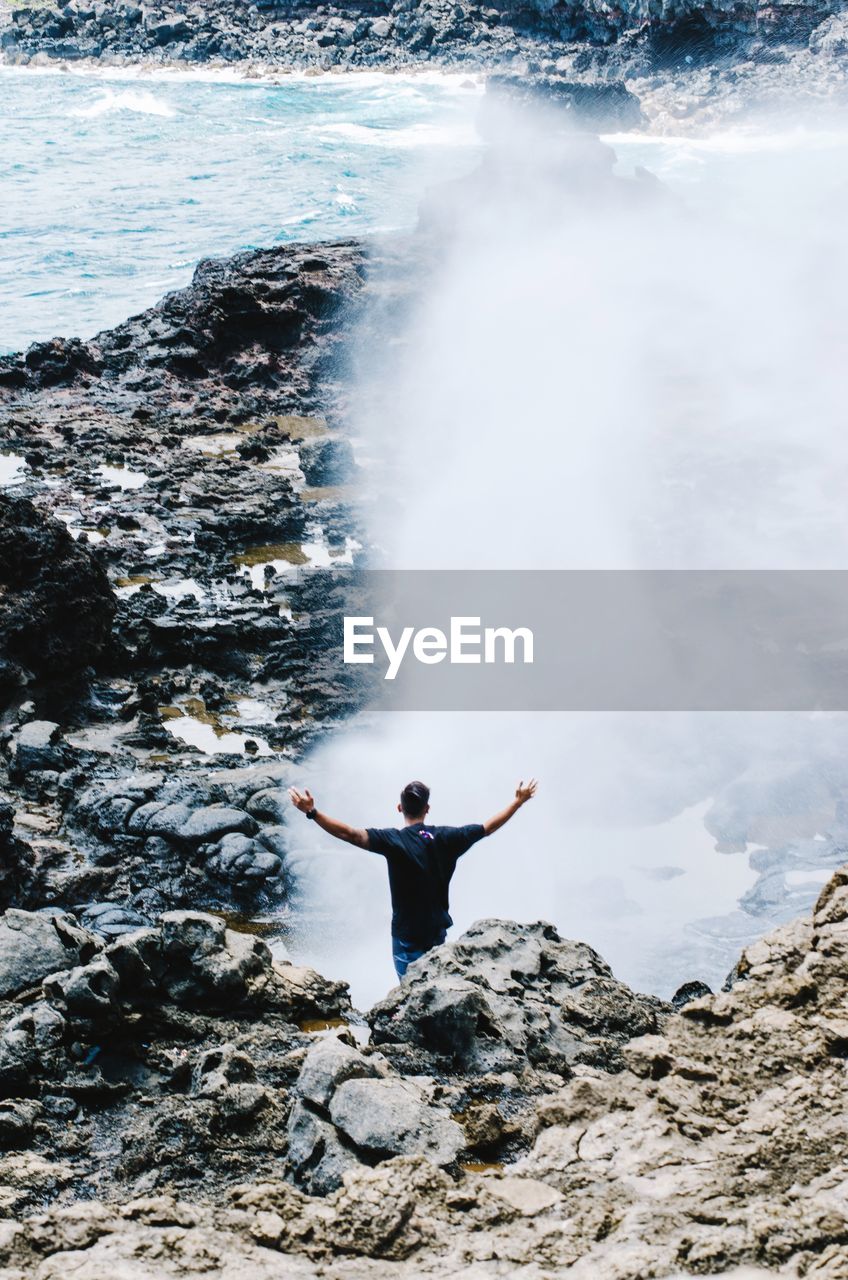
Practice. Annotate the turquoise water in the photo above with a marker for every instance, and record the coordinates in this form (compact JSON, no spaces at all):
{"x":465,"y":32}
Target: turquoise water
{"x":113,"y":188}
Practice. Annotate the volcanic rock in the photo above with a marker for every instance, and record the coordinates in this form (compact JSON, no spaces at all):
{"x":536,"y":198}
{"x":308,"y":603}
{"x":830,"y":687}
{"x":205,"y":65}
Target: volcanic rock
{"x":33,"y":945}
{"x":505,"y":994}
{"x":56,"y":606}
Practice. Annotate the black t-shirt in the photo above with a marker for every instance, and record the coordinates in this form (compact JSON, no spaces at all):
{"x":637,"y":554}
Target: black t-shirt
{"x":421,"y":861}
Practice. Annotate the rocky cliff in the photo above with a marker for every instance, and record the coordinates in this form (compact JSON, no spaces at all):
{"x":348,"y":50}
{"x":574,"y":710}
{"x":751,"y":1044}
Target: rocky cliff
{"x":760,"y":40}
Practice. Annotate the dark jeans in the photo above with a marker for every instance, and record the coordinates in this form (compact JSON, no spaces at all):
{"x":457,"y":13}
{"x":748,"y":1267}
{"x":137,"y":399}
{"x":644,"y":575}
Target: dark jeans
{"x":403,"y":953}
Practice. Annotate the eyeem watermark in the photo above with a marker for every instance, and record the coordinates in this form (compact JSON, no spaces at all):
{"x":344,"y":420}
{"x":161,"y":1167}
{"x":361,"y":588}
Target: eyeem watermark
{"x":466,"y":641}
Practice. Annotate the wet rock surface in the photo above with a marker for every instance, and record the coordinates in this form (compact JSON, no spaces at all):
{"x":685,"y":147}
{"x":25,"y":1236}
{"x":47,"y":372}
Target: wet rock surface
{"x":185,"y":475}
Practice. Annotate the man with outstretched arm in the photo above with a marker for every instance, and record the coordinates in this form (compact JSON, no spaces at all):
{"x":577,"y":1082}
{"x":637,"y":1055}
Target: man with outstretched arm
{"x":421,"y":860}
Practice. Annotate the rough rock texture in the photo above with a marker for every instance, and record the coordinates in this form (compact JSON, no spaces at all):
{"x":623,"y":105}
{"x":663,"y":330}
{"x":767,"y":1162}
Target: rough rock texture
{"x":250,"y":326}
{"x":171,"y":449}
{"x":352,"y":1109}
{"x":720,"y":1148}
{"x":33,"y":945}
{"x":17,"y":862}
{"x":392,"y":32}
{"x":56,"y":606}
{"x":157,"y":1046}
{"x":504,"y":995}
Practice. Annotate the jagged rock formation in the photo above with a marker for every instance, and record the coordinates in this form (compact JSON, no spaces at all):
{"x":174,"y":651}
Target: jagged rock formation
{"x":158,"y":1044}
{"x":392,"y":32}
{"x":506,"y":996}
{"x":721,"y":1146}
{"x":252,"y":332}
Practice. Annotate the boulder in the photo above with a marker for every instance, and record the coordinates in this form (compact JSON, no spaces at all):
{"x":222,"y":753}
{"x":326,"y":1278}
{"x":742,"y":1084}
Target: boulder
{"x":240,"y":860}
{"x":317,"y":1156}
{"x":392,"y":1117}
{"x":505,"y":994}
{"x":207,"y":965}
{"x":110,"y":919}
{"x":166,"y":30}
{"x":35,"y":747}
{"x":213,"y":822}
{"x":17,"y":1121}
{"x":183,"y":824}
{"x":32,"y":1042}
{"x":329,"y":1063}
{"x":227,"y":1076}
{"x":137,"y":960}
{"x":349,"y":1109}
{"x":33,"y":945}
{"x":88,"y":992}
{"x":271,"y":805}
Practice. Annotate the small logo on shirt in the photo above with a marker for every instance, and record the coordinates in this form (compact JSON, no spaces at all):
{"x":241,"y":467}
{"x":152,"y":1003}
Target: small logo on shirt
{"x":426,"y":835}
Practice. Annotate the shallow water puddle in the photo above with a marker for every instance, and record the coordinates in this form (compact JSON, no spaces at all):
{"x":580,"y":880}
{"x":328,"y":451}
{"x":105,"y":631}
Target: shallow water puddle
{"x":222,"y":442}
{"x":255,"y":711}
{"x":284,"y":460}
{"x":172,"y":589}
{"x":323,"y":1027}
{"x":280,"y":557}
{"x":180,"y":588}
{"x":327,"y":493}
{"x":123,"y":477}
{"x":324,"y":555}
{"x":126,"y":587}
{"x":12,"y":469}
{"x":287,"y":555}
{"x":267,"y":927}
{"x":91,"y":534}
{"x":192,"y":724}
{"x":297,"y":428}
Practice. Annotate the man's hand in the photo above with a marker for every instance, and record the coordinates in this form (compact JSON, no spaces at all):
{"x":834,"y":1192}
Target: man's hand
{"x":302,"y":800}
{"x":523,"y":794}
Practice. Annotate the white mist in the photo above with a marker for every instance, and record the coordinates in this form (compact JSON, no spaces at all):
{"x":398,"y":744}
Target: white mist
{"x":603,"y":376}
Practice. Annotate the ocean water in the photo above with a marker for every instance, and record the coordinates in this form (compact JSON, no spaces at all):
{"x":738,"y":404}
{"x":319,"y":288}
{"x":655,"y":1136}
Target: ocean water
{"x":114,"y":186}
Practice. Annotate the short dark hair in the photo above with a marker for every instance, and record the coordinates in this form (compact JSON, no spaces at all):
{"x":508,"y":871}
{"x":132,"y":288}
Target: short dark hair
{"x":414,"y":799}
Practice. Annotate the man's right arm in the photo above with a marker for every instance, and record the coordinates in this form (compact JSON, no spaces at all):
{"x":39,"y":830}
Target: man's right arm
{"x":340,"y":830}
{"x":522,"y":795}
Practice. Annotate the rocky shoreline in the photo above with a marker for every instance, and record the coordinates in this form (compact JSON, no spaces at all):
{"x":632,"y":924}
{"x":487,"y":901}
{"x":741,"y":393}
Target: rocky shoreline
{"x":385,"y":33}
{"x":177,"y":1096}
{"x":177,"y":477}
{"x":699,"y":64}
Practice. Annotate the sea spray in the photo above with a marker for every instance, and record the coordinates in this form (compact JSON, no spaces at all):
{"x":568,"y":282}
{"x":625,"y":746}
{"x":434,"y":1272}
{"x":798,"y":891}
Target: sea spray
{"x":607,"y":371}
